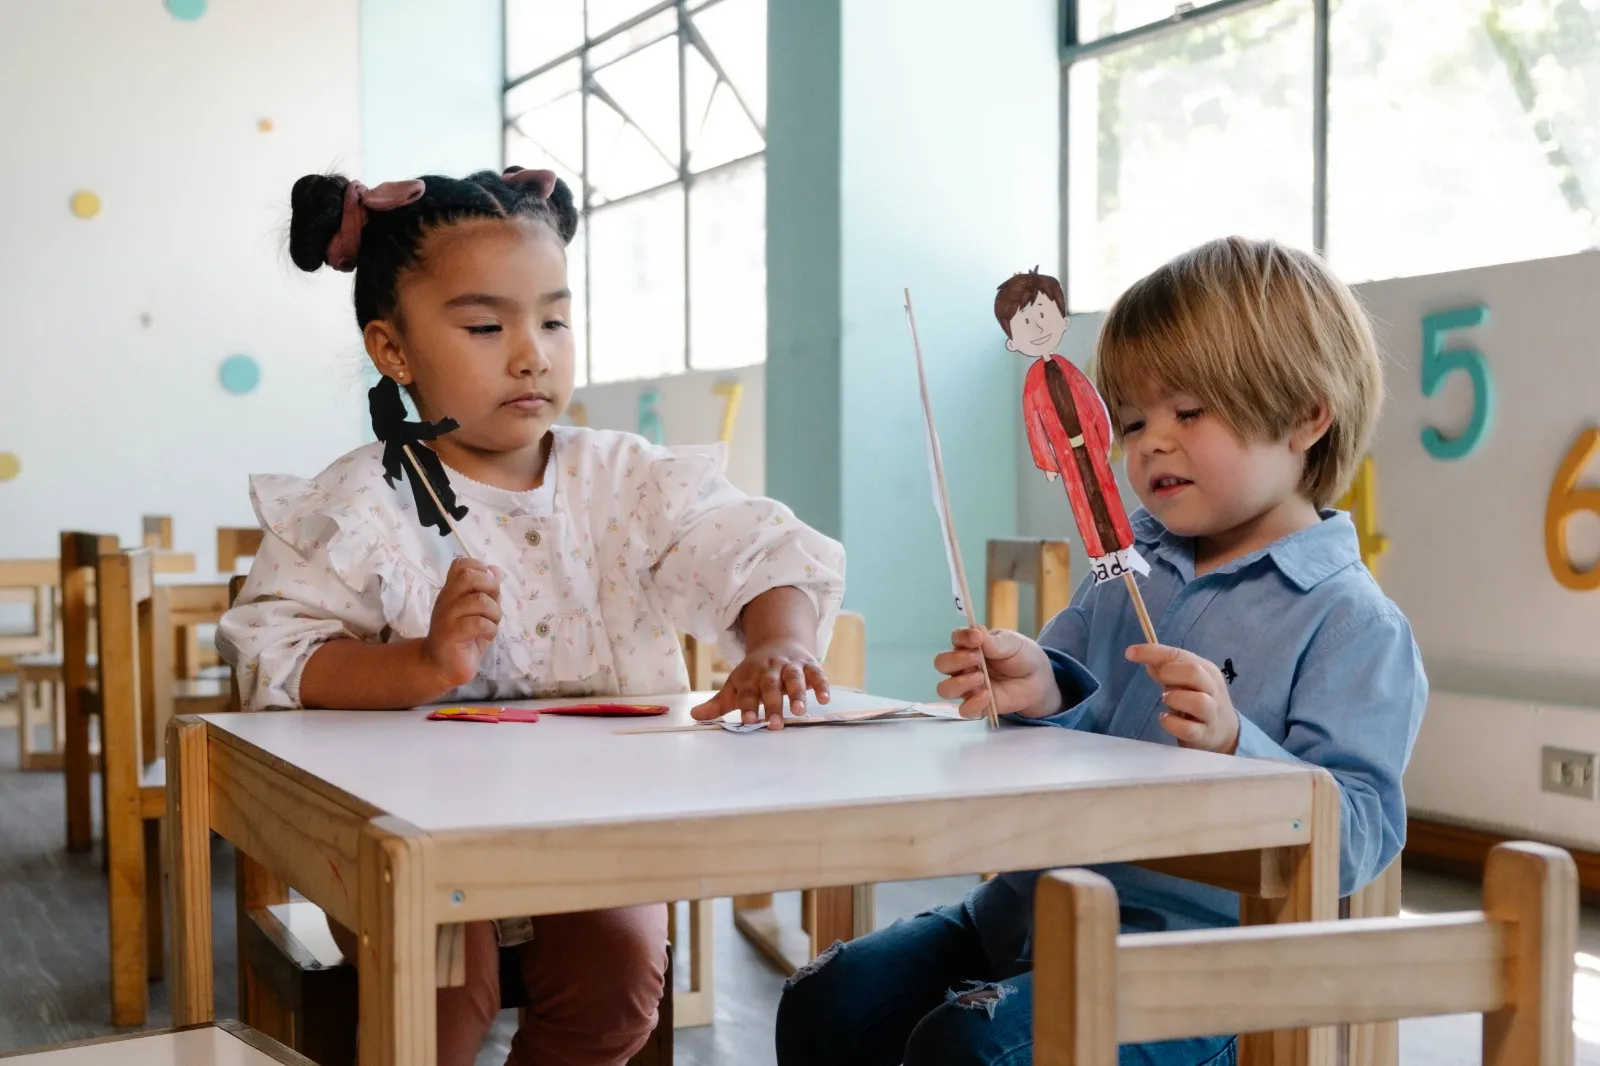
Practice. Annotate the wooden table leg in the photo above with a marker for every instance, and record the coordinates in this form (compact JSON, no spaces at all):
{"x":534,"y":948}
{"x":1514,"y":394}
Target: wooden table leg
{"x":189,"y":871}
{"x":259,"y":1006}
{"x":1312,"y":877}
{"x":396,"y":967}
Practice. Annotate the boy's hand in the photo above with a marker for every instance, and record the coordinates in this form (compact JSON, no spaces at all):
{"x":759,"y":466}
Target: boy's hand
{"x":1020,"y":671}
{"x":1199,"y":711}
{"x":465,"y":618}
{"x":758,"y":685}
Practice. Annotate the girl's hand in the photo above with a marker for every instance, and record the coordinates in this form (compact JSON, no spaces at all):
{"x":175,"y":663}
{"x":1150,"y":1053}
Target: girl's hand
{"x":1199,"y":711}
{"x":758,"y":685}
{"x":465,"y":617}
{"x":1020,"y":671}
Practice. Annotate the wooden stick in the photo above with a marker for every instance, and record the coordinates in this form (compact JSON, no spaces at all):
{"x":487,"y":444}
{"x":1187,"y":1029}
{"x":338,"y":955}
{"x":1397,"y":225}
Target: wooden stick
{"x":423,"y":477}
{"x":1138,"y":605}
{"x":949,"y":519}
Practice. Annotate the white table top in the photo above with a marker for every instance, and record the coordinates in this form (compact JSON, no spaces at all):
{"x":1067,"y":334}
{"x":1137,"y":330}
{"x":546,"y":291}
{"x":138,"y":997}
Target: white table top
{"x":209,"y":1046}
{"x":561,"y":771}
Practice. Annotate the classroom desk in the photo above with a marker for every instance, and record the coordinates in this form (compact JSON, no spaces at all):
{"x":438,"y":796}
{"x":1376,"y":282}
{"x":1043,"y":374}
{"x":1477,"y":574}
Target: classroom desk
{"x":401,"y":827}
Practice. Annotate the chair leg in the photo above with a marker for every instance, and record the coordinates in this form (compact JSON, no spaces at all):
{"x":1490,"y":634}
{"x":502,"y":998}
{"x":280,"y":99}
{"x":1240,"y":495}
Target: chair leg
{"x":125,"y":851}
{"x":154,"y":893}
{"x":76,"y":760}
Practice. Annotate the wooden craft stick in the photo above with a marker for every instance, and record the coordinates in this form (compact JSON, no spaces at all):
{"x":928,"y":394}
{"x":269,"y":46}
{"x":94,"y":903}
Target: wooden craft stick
{"x":1138,"y":605}
{"x":451,"y":522}
{"x":944,"y":507}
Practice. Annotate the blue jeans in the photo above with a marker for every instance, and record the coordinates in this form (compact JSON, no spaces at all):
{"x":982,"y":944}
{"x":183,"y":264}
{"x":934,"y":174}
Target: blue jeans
{"x":924,"y":993}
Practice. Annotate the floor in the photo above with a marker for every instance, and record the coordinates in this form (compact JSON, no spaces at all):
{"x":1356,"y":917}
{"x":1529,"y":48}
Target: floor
{"x":53,"y":949}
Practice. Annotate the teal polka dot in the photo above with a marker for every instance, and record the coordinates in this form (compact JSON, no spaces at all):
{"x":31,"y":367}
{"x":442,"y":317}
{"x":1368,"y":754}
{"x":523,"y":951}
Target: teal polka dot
{"x":188,"y":10}
{"x":240,"y":374}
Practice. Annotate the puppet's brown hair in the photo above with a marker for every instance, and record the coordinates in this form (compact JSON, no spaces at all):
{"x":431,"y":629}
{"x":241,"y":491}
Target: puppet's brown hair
{"x":1261,"y":335}
{"x":1020,"y":290}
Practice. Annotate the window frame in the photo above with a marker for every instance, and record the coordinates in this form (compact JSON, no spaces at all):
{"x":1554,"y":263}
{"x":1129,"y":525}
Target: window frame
{"x":686,"y":178}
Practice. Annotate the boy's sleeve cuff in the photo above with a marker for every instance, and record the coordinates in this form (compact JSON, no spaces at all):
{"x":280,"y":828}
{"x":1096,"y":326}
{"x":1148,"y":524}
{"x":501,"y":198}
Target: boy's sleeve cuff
{"x":1255,"y":744}
{"x":1076,"y":684}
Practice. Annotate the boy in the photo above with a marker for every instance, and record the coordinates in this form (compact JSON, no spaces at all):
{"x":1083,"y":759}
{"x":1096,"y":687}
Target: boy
{"x":1244,"y":384}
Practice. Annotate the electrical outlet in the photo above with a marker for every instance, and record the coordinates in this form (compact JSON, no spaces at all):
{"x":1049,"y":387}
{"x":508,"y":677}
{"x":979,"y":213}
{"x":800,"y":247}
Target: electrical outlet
{"x":1567,"y":773}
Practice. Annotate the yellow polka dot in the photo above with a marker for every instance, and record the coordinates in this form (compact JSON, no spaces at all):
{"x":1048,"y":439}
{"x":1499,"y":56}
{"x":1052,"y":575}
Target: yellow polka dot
{"x":265,"y":125}
{"x":85,"y":204}
{"x":10,"y":466}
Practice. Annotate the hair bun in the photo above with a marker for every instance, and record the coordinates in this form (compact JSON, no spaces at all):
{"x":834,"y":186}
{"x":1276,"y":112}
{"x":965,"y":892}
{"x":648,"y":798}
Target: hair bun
{"x":316,"y":207}
{"x":565,"y":210}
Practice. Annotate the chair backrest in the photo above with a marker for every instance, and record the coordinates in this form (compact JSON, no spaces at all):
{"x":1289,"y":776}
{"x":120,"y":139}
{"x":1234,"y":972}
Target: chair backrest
{"x":235,"y":543}
{"x":135,"y":667}
{"x":33,"y":582}
{"x":1512,"y":962}
{"x":158,"y":532}
{"x":80,"y":555}
{"x":1043,"y":564}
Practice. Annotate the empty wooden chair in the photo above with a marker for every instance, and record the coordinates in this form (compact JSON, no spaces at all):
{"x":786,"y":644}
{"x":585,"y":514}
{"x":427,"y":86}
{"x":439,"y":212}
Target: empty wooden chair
{"x":1045,"y":565}
{"x":135,"y":704}
{"x":158,"y":532}
{"x":33,"y":657}
{"x":235,"y":543}
{"x":1512,"y":962}
{"x":80,"y":555}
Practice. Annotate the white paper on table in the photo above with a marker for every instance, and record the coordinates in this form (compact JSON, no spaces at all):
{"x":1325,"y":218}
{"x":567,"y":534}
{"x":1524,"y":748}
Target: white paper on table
{"x":733,"y":724}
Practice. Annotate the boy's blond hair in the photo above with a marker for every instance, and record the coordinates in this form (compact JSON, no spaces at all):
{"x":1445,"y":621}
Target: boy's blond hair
{"x":1259,"y":334}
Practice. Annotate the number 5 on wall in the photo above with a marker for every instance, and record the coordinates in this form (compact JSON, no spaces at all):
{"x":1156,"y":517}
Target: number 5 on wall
{"x":1438,"y":364}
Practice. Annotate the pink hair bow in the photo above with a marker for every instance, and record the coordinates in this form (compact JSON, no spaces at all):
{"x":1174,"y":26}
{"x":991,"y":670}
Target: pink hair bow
{"x":544,"y":180}
{"x":358,"y":200}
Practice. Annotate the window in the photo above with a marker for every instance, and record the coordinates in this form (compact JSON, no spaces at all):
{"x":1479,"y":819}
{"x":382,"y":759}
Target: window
{"x":1462,"y":132}
{"x":1395,"y":138}
{"x":655,"y":113}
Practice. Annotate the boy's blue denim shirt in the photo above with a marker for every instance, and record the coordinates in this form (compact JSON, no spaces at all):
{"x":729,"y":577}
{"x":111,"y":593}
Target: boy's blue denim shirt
{"x":1321,"y":668}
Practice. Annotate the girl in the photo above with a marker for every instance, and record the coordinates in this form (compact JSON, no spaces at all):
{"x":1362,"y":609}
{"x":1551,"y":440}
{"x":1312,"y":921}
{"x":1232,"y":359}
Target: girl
{"x":1244,"y":384}
{"x":595,"y":549}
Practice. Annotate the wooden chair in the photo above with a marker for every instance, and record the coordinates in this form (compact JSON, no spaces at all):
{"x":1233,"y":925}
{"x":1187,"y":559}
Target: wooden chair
{"x":1045,"y":565}
{"x":235,"y":543}
{"x":1512,"y":962}
{"x":826,"y":914}
{"x":223,"y":1043}
{"x":34,"y":658}
{"x":158,"y":532}
{"x":80,"y":555}
{"x":136,"y":703}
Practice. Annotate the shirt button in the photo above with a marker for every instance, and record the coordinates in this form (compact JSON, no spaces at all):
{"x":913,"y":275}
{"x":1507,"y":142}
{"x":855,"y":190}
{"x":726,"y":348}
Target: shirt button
{"x":534,"y":538}
{"x":543,"y":629}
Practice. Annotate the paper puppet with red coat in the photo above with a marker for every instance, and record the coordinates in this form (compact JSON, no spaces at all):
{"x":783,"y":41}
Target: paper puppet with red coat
{"x":1069,"y":429}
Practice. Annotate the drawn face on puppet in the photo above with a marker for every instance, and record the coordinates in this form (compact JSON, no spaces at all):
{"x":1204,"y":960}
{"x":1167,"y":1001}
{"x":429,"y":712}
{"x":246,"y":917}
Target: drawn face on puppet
{"x":485,"y":332}
{"x":1037,"y":328}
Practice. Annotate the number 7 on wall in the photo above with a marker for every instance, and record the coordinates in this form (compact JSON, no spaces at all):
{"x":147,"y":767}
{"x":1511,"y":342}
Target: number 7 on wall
{"x":1438,"y":364}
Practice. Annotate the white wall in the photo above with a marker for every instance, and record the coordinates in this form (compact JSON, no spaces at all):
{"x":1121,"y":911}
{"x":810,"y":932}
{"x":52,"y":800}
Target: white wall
{"x":1513,"y":657}
{"x":113,"y":419}
{"x":691,"y":413}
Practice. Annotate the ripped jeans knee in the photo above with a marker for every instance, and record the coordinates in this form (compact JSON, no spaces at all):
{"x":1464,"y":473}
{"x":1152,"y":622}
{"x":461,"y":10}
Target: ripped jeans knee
{"x":979,"y":995}
{"x":814,"y":965}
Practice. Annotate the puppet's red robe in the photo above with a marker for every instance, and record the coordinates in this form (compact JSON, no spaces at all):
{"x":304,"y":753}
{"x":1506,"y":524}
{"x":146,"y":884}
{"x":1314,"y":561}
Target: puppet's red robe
{"x":1102,"y":523}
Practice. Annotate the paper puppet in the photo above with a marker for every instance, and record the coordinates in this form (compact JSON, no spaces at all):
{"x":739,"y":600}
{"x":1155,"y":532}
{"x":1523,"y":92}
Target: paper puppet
{"x":405,"y":451}
{"x":1068,"y":426}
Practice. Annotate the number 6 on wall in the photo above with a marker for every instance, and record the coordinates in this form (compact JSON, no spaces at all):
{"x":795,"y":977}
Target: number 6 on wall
{"x":1438,"y":364}
{"x":1566,"y":500}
